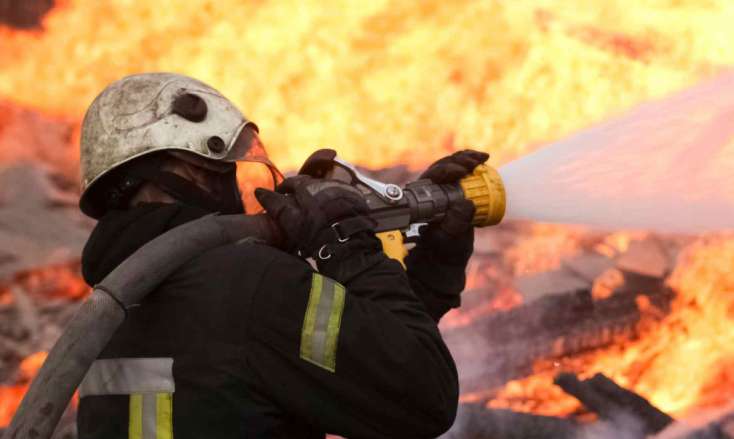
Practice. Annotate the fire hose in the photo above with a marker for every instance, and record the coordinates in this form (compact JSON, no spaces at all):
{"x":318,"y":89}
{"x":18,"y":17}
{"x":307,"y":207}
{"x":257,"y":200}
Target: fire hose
{"x":398,"y":211}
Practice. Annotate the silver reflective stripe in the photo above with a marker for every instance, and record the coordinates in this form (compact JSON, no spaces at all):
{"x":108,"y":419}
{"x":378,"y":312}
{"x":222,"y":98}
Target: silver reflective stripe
{"x":125,"y":376}
{"x":149,"y":415}
{"x":323,"y":311}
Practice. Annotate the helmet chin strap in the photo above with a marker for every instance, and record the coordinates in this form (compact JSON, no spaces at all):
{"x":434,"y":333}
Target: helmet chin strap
{"x":190,"y":193}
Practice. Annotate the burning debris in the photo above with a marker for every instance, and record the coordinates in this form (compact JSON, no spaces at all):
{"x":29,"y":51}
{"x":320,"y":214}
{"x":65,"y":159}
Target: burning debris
{"x":562,"y":313}
{"x":506,"y":345}
{"x":41,"y":234}
{"x":621,"y":414}
{"x":649,"y":346}
{"x":630,"y":415}
{"x":610,"y":401}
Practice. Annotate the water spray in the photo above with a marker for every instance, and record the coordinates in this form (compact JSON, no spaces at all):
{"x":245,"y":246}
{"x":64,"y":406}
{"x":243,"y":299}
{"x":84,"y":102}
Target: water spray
{"x":666,"y":165}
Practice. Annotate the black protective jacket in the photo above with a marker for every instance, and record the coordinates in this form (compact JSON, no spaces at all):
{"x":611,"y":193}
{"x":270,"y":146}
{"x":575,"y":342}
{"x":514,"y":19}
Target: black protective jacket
{"x":259,"y":345}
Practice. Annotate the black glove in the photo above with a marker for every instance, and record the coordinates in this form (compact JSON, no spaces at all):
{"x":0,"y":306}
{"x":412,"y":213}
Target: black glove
{"x":316,"y":216}
{"x":437,"y":264}
{"x":452,"y":239}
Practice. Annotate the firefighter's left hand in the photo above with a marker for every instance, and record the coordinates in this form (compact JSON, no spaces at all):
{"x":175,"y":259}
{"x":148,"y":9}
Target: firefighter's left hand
{"x":452,"y":239}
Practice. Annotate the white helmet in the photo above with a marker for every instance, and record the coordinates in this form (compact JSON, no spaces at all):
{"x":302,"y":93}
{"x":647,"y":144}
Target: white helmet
{"x":142,"y":114}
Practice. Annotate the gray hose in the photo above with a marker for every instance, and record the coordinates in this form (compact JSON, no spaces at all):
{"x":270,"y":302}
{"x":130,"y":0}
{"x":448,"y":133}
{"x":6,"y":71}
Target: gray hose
{"x":102,"y":313}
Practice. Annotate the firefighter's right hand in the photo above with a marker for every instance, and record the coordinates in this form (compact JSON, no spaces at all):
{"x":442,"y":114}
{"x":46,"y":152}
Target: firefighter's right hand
{"x":316,"y":216}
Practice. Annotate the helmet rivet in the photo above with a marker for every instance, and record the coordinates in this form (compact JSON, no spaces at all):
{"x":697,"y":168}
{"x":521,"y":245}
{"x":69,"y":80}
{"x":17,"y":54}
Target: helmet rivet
{"x":190,"y":107}
{"x":215,"y":144}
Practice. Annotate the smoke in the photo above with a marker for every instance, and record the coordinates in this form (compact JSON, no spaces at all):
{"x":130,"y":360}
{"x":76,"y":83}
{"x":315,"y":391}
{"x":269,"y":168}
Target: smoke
{"x":474,"y":421}
{"x":622,"y":425}
{"x":705,"y":425}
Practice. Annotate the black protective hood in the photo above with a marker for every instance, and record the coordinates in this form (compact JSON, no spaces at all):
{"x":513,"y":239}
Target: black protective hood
{"x":120,"y":232}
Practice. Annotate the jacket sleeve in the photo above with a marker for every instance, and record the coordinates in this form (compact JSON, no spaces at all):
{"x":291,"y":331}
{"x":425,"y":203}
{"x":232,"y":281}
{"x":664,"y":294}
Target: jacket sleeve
{"x":361,"y":358}
{"x":437,"y":282}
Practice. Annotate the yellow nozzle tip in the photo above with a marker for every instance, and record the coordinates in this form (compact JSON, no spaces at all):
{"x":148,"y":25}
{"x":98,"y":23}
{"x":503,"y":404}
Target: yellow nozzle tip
{"x":486,"y":190}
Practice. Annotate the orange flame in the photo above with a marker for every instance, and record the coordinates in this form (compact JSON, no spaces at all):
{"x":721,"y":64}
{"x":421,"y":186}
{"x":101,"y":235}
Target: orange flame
{"x":10,"y":396}
{"x":380,"y":82}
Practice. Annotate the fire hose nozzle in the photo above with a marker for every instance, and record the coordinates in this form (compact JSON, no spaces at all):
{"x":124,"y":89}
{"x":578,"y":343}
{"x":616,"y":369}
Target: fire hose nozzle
{"x":418,"y":202}
{"x":485,"y":189}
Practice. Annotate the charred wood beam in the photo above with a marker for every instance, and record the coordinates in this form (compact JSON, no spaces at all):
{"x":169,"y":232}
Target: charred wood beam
{"x":504,"y":346}
{"x":609,"y":400}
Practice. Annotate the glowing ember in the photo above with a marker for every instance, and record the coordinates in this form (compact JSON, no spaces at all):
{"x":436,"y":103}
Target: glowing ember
{"x":30,"y":365}
{"x":10,"y":396}
{"x":59,"y":281}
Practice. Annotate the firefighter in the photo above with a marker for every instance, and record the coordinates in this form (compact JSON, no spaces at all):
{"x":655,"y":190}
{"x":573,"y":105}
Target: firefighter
{"x":248,"y":340}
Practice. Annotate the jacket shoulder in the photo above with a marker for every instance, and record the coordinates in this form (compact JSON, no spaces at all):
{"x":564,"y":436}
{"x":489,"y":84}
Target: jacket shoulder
{"x":243,"y":262}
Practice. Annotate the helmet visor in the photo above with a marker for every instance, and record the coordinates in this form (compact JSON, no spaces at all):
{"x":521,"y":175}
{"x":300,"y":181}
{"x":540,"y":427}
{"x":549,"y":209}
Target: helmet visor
{"x":254,"y":168}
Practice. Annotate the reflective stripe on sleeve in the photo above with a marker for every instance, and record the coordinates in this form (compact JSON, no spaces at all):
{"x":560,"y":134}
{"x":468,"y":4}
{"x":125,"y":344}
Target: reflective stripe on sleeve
{"x":164,"y":416}
{"x":322,"y":322}
{"x":148,"y":381}
{"x":151,"y":416}
{"x":125,"y":376}
{"x":135,"y":429}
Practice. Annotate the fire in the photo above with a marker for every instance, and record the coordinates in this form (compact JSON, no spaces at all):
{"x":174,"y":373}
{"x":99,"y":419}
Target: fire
{"x":49,"y":283}
{"x":682,"y":365}
{"x":10,"y":396}
{"x":381,"y":82}
{"x":55,"y":282}
{"x":699,"y":333}
{"x":407,"y":82}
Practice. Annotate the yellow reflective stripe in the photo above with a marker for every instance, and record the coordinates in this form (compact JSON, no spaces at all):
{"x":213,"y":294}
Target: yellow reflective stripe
{"x":135,"y":429}
{"x":323,"y":310}
{"x":335,"y":320}
{"x":151,"y":416}
{"x":322,"y":322}
{"x":309,"y":321}
{"x":164,"y":416}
